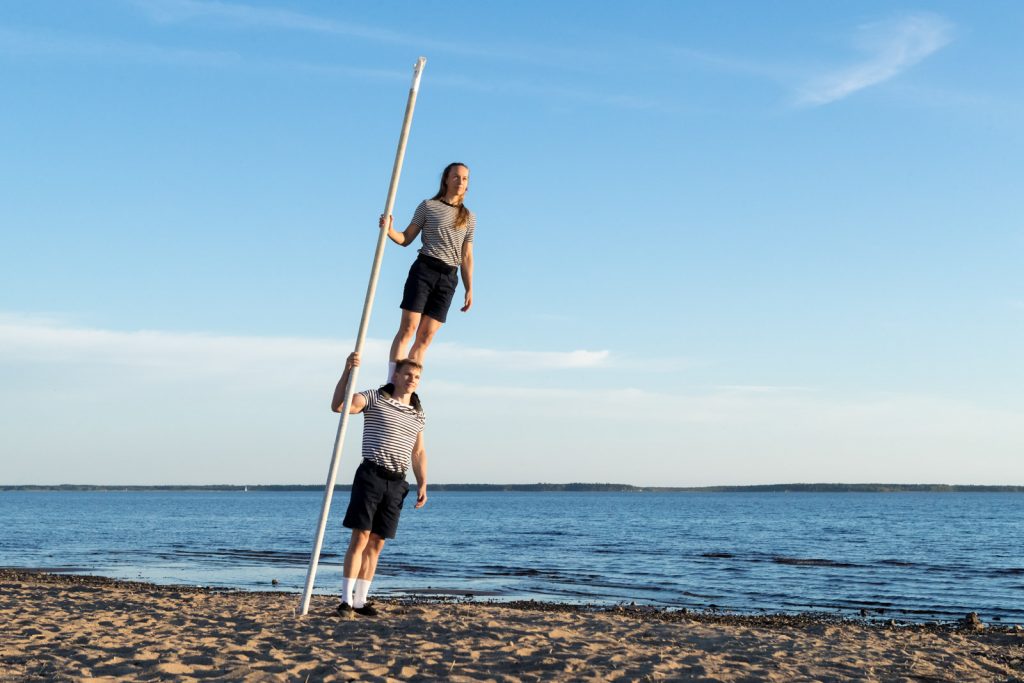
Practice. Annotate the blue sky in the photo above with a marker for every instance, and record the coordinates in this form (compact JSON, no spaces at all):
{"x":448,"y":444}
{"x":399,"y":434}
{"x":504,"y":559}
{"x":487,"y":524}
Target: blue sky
{"x":718,"y":243}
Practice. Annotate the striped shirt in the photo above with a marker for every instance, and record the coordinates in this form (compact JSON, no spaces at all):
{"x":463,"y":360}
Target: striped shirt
{"x":441,"y":239}
{"x":390,"y":429}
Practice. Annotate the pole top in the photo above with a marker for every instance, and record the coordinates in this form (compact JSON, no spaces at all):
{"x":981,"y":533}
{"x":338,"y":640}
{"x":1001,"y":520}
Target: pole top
{"x":417,"y":73}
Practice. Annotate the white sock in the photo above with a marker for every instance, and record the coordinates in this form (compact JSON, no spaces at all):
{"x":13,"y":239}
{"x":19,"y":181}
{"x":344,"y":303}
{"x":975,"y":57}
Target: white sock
{"x":348,"y":587}
{"x":362,"y":589}
{"x":391,"y":372}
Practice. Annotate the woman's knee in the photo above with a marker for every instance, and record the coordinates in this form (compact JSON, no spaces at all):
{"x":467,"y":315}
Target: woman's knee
{"x":407,"y":326}
{"x":426,"y":331}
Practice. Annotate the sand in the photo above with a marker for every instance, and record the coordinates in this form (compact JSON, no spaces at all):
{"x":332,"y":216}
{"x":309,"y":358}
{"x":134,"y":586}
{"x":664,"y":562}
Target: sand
{"x":68,"y":628}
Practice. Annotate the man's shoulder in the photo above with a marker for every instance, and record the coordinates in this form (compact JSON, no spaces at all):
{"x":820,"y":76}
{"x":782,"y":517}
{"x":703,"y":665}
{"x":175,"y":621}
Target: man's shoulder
{"x":382,"y":397}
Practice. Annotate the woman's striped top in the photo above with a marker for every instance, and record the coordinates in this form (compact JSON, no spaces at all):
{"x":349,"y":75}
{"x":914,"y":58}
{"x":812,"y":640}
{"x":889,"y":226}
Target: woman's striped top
{"x":390,"y":429}
{"x":441,"y":239}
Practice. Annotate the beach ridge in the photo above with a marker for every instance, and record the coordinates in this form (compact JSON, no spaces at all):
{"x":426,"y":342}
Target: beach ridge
{"x":70,"y":627}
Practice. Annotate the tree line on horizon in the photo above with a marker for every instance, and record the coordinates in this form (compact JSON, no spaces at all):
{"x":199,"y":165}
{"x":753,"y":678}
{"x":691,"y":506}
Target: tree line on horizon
{"x":542,"y":487}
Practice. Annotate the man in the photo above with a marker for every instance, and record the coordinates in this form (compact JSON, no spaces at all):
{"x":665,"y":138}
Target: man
{"x":392,"y":442}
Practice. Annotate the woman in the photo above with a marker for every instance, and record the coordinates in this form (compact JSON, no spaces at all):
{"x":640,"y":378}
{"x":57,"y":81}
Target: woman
{"x":447,"y":227}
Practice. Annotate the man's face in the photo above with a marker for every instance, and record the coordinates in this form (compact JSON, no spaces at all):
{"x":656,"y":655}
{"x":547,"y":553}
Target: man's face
{"x":407,"y":378}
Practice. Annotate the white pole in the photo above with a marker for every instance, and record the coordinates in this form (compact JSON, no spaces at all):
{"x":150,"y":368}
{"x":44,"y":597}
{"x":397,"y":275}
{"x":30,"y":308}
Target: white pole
{"x":371,"y":289}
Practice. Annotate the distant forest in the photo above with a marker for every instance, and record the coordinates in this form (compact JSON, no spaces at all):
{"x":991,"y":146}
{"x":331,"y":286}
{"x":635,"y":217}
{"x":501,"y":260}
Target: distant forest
{"x":613,"y":488}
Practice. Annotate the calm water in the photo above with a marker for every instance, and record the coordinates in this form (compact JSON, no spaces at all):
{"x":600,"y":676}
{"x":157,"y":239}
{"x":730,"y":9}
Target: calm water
{"x":918,"y":556}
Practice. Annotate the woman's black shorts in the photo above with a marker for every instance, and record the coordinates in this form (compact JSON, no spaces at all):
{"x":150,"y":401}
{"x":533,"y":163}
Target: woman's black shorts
{"x":430,"y":287}
{"x":376,"y":501}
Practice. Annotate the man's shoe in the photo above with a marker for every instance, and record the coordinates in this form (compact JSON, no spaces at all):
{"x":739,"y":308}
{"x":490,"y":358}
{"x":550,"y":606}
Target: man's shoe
{"x":344,"y":610}
{"x":367,"y":610}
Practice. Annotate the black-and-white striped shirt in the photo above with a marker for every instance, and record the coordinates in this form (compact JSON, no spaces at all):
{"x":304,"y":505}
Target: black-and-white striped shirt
{"x":390,"y":429}
{"x":441,"y":239}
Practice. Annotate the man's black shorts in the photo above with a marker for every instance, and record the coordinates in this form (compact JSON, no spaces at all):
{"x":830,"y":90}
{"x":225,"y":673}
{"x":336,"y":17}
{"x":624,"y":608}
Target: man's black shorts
{"x":376,"y":502}
{"x":430,"y":287}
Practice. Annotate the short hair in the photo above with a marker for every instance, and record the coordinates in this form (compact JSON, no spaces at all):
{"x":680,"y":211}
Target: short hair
{"x":401,"y":363}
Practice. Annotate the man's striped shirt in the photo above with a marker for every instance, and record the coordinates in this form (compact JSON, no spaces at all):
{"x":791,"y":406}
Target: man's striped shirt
{"x":441,"y":239}
{"x":390,"y":429}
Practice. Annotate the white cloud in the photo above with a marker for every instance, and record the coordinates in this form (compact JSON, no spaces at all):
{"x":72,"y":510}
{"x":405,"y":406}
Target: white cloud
{"x":267,"y":17}
{"x":64,"y":45}
{"x":38,"y":339}
{"x":532,"y":360}
{"x":249,"y":16}
{"x":111,"y":49}
{"x":733,"y":434}
{"x":892,"y":47}
{"x":80,"y":404}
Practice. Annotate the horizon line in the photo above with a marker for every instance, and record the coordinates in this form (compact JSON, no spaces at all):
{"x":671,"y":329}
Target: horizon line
{"x":548,"y":486}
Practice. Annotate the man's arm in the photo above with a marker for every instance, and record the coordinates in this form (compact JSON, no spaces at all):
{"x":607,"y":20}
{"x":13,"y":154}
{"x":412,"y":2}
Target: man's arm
{"x":467,"y":275}
{"x":358,"y":402}
{"x":419,"y":468}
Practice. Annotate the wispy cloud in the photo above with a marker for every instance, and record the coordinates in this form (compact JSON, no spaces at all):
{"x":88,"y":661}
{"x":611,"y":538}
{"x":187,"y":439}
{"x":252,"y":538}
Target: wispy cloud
{"x":49,"y":44}
{"x":237,"y":14}
{"x":534,"y":360}
{"x":518,"y":87}
{"x":54,"y":44}
{"x":207,"y":408}
{"x":782,"y":417}
{"x":250,"y":16}
{"x":760,"y":68}
{"x":37,"y":339}
{"x":892,"y":47}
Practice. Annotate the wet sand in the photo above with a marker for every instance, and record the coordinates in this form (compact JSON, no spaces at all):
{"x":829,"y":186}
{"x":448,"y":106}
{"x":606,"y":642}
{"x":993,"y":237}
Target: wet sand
{"x":70,"y":628}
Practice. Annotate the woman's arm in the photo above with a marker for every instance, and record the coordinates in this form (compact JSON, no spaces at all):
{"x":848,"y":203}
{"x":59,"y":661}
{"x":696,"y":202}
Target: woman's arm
{"x":404,"y":238}
{"x":467,"y":275}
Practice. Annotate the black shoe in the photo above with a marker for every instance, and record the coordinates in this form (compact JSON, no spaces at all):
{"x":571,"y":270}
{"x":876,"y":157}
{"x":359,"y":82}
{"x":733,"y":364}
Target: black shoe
{"x":367,"y":610}
{"x":344,"y":609}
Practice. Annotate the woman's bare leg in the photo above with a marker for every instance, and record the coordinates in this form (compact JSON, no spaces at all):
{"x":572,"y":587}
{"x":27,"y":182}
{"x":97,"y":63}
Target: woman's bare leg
{"x":406,"y":333}
{"x":425,"y":332}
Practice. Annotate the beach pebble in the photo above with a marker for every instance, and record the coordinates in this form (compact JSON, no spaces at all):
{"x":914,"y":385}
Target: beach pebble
{"x":972,"y":622}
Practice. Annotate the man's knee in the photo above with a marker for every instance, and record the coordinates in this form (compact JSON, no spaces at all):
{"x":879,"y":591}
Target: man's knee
{"x":360,"y":539}
{"x":374,"y":544}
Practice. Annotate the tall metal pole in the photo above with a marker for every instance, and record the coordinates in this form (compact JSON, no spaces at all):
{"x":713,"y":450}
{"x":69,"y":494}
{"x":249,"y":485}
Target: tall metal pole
{"x":371,"y":289}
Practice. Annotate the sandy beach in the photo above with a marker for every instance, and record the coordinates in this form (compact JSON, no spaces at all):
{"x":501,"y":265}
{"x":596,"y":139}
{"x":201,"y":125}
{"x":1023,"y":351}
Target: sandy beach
{"x":72,"y":628}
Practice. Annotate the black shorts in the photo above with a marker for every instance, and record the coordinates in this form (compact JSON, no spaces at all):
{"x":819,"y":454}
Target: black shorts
{"x":376,"y":501}
{"x":430,"y":287}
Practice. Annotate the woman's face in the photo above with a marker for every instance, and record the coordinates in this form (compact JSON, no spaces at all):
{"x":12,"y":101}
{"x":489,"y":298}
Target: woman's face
{"x":457,"y":181}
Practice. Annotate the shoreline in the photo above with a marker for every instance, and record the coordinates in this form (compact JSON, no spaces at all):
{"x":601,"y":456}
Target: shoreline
{"x":868,"y":616}
{"x":76,"y":627}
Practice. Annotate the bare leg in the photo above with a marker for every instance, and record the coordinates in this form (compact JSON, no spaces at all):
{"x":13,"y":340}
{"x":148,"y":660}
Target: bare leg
{"x":359,"y":542}
{"x":425,"y":332}
{"x":369,"y":560}
{"x":406,"y":332}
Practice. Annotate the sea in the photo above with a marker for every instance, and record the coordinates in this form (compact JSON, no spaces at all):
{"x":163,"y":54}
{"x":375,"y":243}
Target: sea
{"x":912,"y":557}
